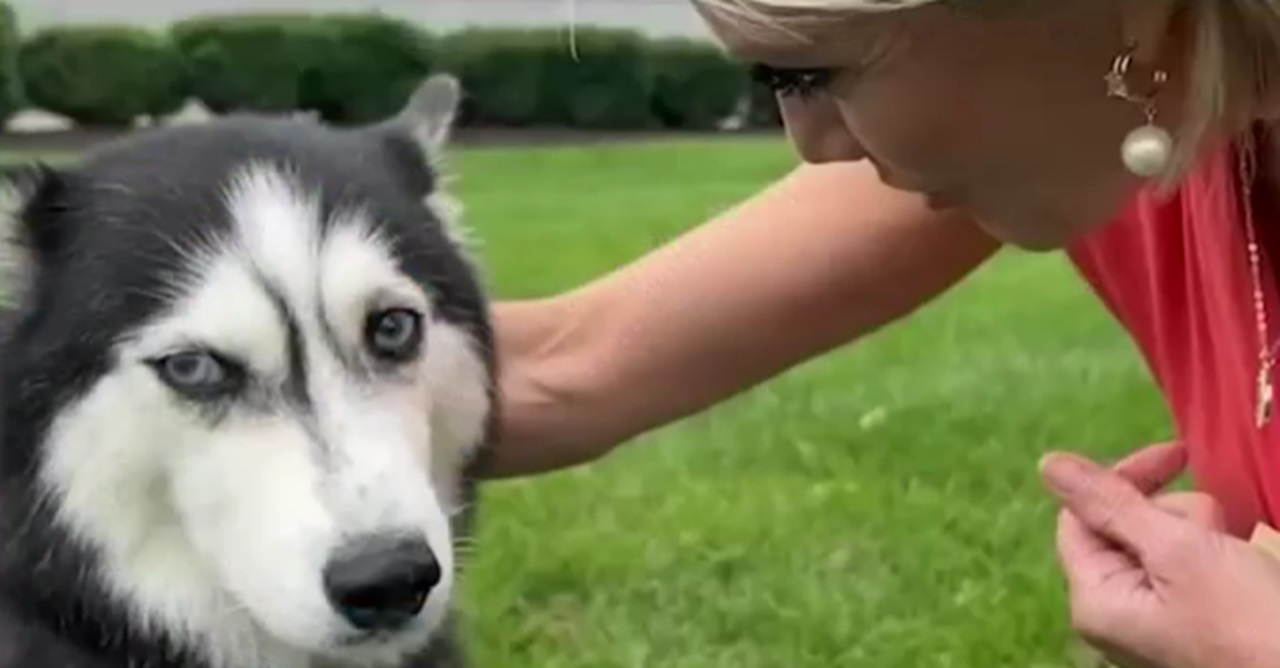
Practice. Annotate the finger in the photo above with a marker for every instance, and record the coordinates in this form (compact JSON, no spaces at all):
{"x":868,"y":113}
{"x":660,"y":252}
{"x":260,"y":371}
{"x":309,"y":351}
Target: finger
{"x":1198,"y":508}
{"x":1087,"y":558}
{"x":1154,"y":467}
{"x":1107,"y":503}
{"x":1087,"y":555}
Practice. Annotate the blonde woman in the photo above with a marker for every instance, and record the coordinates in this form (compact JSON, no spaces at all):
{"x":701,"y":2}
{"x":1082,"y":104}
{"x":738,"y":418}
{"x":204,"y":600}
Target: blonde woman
{"x":1133,"y":134}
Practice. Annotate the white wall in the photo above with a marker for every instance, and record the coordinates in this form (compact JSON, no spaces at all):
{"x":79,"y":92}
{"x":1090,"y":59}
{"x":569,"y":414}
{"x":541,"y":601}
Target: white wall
{"x":658,"y":17}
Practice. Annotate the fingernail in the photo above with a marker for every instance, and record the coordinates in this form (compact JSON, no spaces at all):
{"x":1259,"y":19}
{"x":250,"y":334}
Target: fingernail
{"x":1063,"y":473}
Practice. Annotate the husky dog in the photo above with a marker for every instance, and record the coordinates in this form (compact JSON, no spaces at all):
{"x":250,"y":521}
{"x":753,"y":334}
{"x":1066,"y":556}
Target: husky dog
{"x":245,"y":375}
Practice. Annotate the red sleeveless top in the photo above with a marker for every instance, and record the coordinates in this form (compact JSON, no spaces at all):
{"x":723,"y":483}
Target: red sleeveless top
{"x":1175,"y":272}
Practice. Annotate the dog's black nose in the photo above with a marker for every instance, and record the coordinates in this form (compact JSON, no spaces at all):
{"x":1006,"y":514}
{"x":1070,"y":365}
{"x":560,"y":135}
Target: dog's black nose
{"x":380,"y":583}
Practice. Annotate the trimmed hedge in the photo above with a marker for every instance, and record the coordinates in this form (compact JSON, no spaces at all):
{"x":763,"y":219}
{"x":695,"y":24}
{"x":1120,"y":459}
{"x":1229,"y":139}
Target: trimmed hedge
{"x":250,"y":63}
{"x":11,"y":95}
{"x":696,"y":85}
{"x":535,"y":77}
{"x":500,"y":74}
{"x":359,"y":67}
{"x":102,"y":75}
{"x":605,"y":81}
{"x":375,"y":64}
{"x":351,"y":68}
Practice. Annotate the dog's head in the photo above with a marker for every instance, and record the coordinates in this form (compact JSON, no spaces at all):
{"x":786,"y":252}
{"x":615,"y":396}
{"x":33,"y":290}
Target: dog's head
{"x":248,"y":365}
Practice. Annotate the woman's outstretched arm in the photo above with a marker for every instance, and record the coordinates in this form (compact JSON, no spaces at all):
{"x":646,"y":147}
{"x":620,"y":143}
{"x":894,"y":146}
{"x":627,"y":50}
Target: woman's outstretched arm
{"x":815,"y":261}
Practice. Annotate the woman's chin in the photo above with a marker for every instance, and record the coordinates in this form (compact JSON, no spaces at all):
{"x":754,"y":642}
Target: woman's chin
{"x":1035,"y":234}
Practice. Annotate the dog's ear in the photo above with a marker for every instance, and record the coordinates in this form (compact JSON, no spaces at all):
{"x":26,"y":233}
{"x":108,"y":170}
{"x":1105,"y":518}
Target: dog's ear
{"x":31,"y":196}
{"x":430,"y":112}
{"x":416,"y":139}
{"x":416,"y":136}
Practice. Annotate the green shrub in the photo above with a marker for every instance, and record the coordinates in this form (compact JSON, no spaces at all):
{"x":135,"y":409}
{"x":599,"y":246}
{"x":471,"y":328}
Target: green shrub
{"x":376,"y":64}
{"x":604,"y":82}
{"x":361,"y":67}
{"x":696,"y":85}
{"x":500,"y":71}
{"x":102,"y":75}
{"x":11,"y":95}
{"x":251,"y":63}
{"x":537,"y":77}
{"x":351,"y":68}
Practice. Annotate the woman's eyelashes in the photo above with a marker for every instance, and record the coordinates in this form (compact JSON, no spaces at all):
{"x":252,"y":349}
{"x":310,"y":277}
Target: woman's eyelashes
{"x":792,"y":81}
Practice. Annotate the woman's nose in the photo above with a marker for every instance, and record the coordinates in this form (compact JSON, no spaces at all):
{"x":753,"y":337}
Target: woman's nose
{"x":818,"y":130}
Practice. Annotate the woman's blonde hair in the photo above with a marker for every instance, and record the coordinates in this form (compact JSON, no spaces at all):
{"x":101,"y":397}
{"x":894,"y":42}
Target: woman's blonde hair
{"x":1233,"y":67}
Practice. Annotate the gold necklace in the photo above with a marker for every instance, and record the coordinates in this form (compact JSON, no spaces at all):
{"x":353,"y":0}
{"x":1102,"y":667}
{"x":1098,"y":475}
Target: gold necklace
{"x":1264,"y":392}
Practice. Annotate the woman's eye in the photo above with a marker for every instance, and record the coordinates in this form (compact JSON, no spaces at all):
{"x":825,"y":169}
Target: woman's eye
{"x":198,"y":374}
{"x":394,"y":334}
{"x":801,"y":82}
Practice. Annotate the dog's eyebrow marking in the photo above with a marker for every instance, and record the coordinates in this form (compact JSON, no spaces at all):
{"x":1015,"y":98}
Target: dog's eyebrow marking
{"x":279,"y":228}
{"x":284,"y":232}
{"x":329,"y":335}
{"x":296,"y":384}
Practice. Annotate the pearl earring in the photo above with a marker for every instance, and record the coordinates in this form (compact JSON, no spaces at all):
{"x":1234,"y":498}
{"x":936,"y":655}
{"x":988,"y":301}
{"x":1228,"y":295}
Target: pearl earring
{"x":1148,"y":149}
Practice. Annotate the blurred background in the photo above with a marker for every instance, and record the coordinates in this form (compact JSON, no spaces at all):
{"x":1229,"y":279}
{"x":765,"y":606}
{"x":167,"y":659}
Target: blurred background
{"x":876,"y":507}
{"x":631,"y":66}
{"x":659,"y":17}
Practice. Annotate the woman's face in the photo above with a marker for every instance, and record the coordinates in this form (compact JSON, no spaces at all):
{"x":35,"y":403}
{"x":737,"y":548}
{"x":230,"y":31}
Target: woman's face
{"x":1004,"y":115}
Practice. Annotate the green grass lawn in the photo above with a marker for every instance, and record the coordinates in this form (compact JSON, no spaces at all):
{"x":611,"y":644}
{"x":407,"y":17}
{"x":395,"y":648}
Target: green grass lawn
{"x":878,"y":507}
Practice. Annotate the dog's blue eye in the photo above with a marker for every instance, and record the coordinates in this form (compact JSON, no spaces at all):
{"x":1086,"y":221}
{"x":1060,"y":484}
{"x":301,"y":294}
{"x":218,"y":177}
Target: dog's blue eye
{"x":394,"y":334}
{"x":196,"y":373}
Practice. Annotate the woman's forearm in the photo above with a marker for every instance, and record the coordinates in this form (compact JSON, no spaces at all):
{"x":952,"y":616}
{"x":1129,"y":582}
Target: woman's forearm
{"x":824,"y":256}
{"x":547,"y":390}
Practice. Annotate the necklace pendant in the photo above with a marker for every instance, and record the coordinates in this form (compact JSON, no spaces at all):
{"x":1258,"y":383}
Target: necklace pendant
{"x":1265,"y":397}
